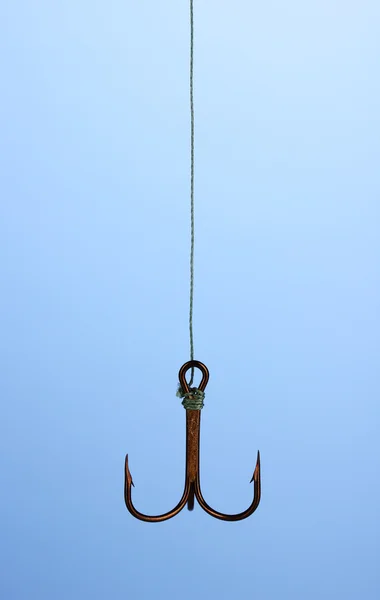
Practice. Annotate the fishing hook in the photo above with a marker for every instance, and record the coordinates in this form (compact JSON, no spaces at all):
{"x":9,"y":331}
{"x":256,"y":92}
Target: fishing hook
{"x":192,"y":478}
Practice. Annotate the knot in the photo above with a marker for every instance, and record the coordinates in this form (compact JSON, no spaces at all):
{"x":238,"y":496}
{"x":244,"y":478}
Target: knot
{"x":193,"y":399}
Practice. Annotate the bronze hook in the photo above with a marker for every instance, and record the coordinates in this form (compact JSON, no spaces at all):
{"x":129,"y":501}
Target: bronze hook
{"x":192,"y":479}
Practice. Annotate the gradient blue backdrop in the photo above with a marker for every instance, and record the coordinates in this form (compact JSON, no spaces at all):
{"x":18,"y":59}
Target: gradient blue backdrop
{"x":94,"y":297}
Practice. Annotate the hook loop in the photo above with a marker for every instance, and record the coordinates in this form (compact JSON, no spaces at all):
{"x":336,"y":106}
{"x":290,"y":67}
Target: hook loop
{"x":182,"y":375}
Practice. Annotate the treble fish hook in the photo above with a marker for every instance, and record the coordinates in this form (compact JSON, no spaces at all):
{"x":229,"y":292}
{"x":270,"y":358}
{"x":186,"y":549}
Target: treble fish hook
{"x":192,"y":479}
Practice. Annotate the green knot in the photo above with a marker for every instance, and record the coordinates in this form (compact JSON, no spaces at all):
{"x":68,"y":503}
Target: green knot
{"x":193,"y":399}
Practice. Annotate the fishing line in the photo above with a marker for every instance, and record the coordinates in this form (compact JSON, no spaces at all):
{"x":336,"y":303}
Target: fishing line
{"x":192,"y":220}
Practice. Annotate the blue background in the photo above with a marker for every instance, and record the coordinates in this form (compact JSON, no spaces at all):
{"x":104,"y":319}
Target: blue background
{"x":94,"y":300}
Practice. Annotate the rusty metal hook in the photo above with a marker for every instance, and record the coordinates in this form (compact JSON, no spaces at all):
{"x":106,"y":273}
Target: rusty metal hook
{"x":192,"y":478}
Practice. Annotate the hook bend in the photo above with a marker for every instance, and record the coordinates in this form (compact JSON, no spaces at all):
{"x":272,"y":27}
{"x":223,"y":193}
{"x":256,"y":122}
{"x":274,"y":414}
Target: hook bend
{"x":151,"y":518}
{"x":239,"y":516}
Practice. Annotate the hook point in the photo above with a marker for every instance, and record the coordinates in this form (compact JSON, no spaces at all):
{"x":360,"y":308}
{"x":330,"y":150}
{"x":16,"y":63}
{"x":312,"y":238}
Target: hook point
{"x":128,"y":476}
{"x":256,"y":472}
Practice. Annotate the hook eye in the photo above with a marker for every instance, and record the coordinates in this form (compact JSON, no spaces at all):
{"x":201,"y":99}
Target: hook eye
{"x":186,"y":367}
